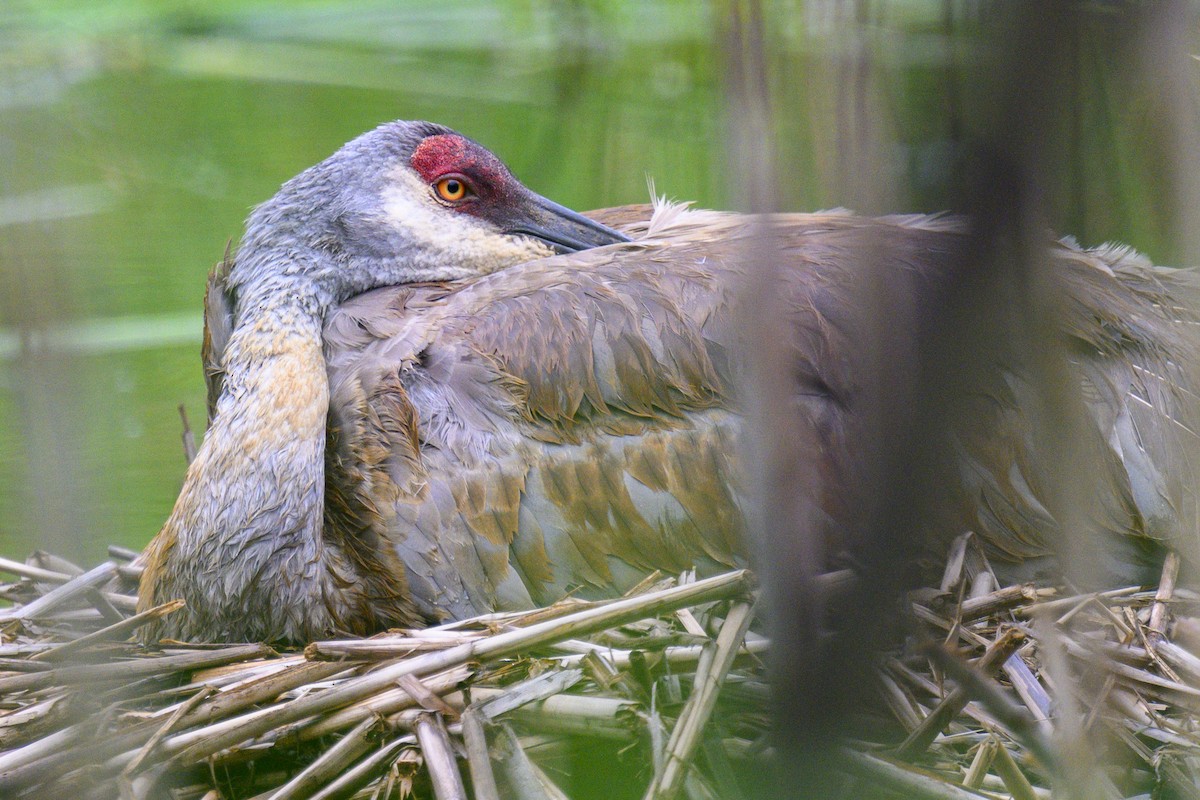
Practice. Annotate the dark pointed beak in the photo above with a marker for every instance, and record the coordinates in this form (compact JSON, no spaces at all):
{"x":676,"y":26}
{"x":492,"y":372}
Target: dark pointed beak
{"x":560,"y":227}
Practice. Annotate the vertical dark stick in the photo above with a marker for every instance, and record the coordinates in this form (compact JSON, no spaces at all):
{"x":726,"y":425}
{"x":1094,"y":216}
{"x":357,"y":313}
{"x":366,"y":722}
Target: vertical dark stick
{"x":783,"y":519}
{"x":189,"y":438}
{"x":999,"y":306}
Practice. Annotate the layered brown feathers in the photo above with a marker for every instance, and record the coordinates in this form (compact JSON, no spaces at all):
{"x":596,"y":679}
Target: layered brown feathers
{"x":568,"y":425}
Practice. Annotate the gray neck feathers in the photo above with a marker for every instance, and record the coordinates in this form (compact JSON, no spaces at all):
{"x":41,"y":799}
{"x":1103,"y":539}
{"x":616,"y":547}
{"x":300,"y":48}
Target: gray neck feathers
{"x":249,"y":522}
{"x":245,"y":539}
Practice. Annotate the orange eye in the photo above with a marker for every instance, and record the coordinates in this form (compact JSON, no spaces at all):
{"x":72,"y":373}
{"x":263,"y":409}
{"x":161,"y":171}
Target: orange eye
{"x":451,"y":189}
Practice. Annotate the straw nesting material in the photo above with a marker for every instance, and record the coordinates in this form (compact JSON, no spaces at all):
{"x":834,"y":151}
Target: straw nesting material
{"x":996,"y":691}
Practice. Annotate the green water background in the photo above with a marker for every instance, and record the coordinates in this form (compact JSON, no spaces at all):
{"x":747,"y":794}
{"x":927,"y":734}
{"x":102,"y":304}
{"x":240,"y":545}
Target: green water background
{"x":135,"y":137}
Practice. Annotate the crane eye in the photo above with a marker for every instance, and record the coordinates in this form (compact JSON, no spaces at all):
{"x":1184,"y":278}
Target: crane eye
{"x":451,"y":189}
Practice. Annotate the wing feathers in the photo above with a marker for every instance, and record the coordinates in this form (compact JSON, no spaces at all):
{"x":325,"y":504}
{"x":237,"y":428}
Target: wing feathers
{"x":567,"y":425}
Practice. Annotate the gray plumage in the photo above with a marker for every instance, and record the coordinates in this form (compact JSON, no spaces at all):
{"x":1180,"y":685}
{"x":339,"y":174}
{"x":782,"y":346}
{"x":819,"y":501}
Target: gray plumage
{"x":495,"y":428}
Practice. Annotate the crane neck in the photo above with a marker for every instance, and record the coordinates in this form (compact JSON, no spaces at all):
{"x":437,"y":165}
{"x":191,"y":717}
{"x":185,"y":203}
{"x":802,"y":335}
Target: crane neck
{"x":243,"y":545}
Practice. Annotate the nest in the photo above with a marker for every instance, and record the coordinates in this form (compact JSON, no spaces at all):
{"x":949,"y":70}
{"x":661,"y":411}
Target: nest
{"x":659,"y":694}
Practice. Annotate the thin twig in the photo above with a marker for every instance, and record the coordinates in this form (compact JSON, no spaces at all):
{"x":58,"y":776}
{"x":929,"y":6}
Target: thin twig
{"x":187,"y":437}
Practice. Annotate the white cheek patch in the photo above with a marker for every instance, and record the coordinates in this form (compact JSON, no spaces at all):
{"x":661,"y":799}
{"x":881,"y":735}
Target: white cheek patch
{"x":455,"y":244}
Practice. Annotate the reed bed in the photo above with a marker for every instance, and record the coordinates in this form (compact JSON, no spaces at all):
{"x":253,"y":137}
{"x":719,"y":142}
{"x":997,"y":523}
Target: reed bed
{"x":997,"y":691}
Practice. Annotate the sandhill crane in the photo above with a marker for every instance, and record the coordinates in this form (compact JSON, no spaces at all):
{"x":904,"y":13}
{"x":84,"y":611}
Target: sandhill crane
{"x":435,"y":394}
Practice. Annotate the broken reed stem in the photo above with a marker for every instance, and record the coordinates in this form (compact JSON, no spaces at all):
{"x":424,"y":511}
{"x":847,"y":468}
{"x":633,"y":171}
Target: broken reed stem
{"x":539,"y":687}
{"x":439,"y":758}
{"x":676,"y":656}
{"x":980,"y":763}
{"x":526,"y":781}
{"x":359,"y":774}
{"x":22,"y":665}
{"x":123,"y":553}
{"x":907,"y":783}
{"x":54,"y":744}
{"x":108,"y":610}
{"x":130,"y":670}
{"x":131,"y":573}
{"x":952,"y":574}
{"x":550,"y":790}
{"x":37,"y":762}
{"x":938,"y":692}
{"x":25,"y":723}
{"x":1030,"y":690}
{"x":33,"y":573}
{"x":56,"y":563}
{"x":385,"y":648}
{"x":196,"y":745}
{"x":25,"y":765}
{"x":479,"y":760}
{"x":1181,"y":693}
{"x":898,"y":701}
{"x":385,"y":703}
{"x":985,"y":691}
{"x":689,"y":727}
{"x":330,"y":764}
{"x":1061,"y":605}
{"x":25,"y":649}
{"x":1162,"y":597}
{"x":73,"y":588}
{"x":1180,"y":659}
{"x":426,"y":697}
{"x":1014,"y":780}
{"x":166,"y":728}
{"x":264,"y":689}
{"x":979,"y":607}
{"x":118,"y":630}
{"x":997,"y":653}
{"x":569,"y":714}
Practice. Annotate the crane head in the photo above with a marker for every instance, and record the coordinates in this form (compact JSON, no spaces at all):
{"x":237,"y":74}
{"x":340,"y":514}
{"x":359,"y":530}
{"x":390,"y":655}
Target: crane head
{"x":407,"y":202}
